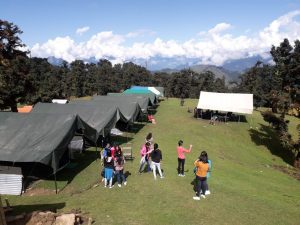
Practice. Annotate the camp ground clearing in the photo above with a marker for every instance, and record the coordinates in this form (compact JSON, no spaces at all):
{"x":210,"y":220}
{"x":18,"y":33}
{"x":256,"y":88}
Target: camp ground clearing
{"x":246,"y":185}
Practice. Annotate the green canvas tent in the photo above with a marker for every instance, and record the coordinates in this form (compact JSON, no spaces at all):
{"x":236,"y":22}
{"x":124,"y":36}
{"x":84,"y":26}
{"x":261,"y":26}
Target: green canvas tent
{"x":147,"y":93}
{"x":97,"y":120}
{"x":128,"y":110}
{"x":143,"y":100}
{"x":35,"y":138}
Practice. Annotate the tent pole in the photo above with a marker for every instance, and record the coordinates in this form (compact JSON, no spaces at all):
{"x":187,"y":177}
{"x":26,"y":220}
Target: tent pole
{"x":2,"y":215}
{"x":127,"y":129}
{"x":55,"y":183}
{"x":96,"y":153}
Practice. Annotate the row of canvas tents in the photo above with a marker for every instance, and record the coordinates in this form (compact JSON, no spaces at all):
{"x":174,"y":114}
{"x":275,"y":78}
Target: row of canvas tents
{"x":40,"y":139}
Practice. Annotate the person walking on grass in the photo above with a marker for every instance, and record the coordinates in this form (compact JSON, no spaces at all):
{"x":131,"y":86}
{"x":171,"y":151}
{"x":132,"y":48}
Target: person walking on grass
{"x":145,"y":152}
{"x":156,"y":157}
{"x":108,"y":169}
{"x":181,"y":157}
{"x":119,"y":167}
{"x":202,"y":167}
{"x":207,"y":192}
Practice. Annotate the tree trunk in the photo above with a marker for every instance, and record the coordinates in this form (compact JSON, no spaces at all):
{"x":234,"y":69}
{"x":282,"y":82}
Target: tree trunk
{"x":297,"y":161}
{"x":274,"y":109}
{"x":14,"y":107}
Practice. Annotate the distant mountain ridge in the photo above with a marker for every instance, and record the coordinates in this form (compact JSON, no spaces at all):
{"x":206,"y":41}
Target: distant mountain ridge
{"x":241,"y":65}
{"x":231,"y":69}
{"x":219,"y":71}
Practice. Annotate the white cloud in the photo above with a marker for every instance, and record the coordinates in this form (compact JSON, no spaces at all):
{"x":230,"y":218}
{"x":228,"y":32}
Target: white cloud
{"x":60,"y":47}
{"x":220,"y":28}
{"x":214,"y":46}
{"x":281,"y":28}
{"x":82,"y":30}
{"x":140,"y":33}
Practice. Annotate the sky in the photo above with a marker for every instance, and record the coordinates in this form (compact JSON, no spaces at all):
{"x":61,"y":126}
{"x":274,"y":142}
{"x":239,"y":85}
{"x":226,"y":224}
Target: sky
{"x":213,"y":31}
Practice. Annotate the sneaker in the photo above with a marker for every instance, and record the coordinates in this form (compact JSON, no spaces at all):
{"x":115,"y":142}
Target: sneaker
{"x":203,"y":196}
{"x":197,"y":198}
{"x":179,"y":175}
{"x":162,"y":177}
{"x":125,"y":183}
{"x":207,"y":192}
{"x":105,"y":186}
{"x":119,"y":185}
{"x":111,"y":186}
{"x":182,"y":175}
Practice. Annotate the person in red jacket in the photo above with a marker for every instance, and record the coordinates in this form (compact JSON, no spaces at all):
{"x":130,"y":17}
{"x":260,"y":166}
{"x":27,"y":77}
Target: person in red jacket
{"x":181,"y":157}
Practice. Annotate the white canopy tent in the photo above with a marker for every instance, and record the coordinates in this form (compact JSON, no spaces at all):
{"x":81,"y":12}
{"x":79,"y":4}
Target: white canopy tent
{"x":228,"y":102}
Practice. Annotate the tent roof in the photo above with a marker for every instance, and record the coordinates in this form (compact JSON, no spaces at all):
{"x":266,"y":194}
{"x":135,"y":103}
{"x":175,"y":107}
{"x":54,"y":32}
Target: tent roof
{"x":147,"y":93}
{"x":229,"y":102}
{"x":143,"y":101}
{"x":97,"y":120}
{"x":158,"y":91}
{"x":154,"y":90}
{"x":161,"y":90}
{"x":138,"y":91}
{"x":38,"y":138}
{"x":128,"y":110}
{"x":25,"y":109}
{"x":138,"y":96}
{"x":139,"y":88}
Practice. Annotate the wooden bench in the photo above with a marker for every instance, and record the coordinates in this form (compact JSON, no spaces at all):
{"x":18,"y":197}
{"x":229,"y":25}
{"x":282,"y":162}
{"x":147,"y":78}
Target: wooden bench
{"x":127,"y":152}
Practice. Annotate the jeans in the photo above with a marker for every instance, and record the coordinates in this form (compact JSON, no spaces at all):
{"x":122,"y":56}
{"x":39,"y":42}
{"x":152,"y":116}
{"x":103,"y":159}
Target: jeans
{"x":180,"y":168}
{"x":142,"y":166}
{"x":201,"y":185}
{"x":120,"y":174}
{"x":154,"y":166}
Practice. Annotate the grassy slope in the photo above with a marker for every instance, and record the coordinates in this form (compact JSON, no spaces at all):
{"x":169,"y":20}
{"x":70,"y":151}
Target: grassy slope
{"x":245,"y":188}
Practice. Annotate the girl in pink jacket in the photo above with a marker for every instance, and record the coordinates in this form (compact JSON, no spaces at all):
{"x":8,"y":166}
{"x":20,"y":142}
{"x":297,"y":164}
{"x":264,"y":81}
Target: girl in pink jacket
{"x":145,"y":152}
{"x":181,"y":157}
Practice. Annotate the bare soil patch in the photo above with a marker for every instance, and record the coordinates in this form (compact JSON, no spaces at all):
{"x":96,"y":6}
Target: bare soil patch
{"x":38,"y":191}
{"x":291,"y":171}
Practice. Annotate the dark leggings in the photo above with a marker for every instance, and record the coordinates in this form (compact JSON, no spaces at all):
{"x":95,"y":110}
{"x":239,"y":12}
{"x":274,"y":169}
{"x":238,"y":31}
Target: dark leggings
{"x":201,"y":185}
{"x":180,"y":167}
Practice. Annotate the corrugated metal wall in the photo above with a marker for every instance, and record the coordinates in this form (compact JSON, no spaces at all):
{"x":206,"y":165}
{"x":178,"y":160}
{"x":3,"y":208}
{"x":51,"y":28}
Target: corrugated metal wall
{"x":11,"y":179}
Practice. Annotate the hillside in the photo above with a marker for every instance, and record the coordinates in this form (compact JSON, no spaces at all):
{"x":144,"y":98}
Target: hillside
{"x":219,"y":72}
{"x":247,"y":183}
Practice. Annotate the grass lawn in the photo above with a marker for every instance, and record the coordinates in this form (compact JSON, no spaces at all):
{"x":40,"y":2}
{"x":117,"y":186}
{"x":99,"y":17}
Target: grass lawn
{"x":245,"y":186}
